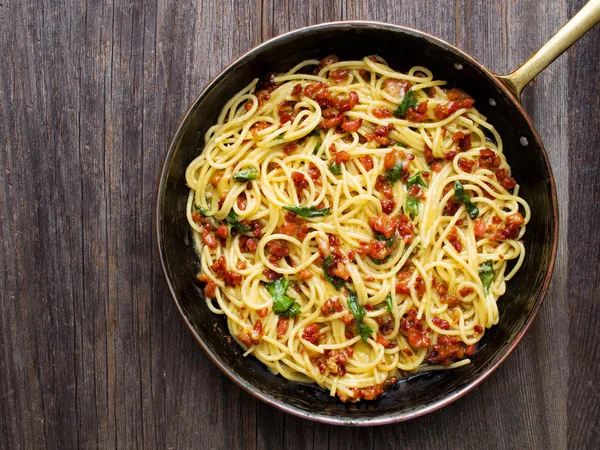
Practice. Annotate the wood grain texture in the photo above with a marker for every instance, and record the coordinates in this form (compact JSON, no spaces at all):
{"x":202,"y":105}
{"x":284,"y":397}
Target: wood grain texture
{"x":92,"y":351}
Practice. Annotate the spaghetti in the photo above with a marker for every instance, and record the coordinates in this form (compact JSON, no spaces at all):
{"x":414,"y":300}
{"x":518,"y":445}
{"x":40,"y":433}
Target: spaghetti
{"x":354,"y":224}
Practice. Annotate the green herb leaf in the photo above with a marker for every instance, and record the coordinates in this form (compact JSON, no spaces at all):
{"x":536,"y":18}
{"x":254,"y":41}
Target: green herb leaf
{"x":461,"y":196}
{"x":335,"y":169}
{"x":317,"y":147}
{"x":381,"y":237}
{"x":282,"y":304}
{"x":336,"y":281}
{"x":232,"y":219}
{"x":359,"y":313}
{"x":308,"y":211}
{"x":279,"y":138}
{"x":388,"y":303}
{"x":412,"y":205}
{"x":364,"y":330}
{"x":486,"y":275}
{"x":408,"y":101}
{"x":249,"y":173}
{"x":395,"y":173}
{"x":201,"y":210}
{"x":314,"y":132}
{"x":417,"y":179}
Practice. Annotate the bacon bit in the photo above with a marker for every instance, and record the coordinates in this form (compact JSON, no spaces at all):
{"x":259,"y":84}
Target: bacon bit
{"x":271,"y":275}
{"x":415,"y":191}
{"x":444,"y":110}
{"x":511,"y":229}
{"x":388,"y":206}
{"x":363,"y":74}
{"x":290,"y":148}
{"x":223,"y":231}
{"x":282,"y":326}
{"x":465,"y":291}
{"x":341,"y":271}
{"x":259,"y":126}
{"x":455,"y":240}
{"x":256,"y":333}
{"x":352,"y":125}
{"x":338,"y":75}
{"x":332,"y":306}
{"x":390,"y":159}
{"x":384,"y":187}
{"x":435,"y":164}
{"x":297,"y":90}
{"x":349,"y":103}
{"x":312,"y":89}
{"x":263,"y":312}
{"x":311,"y":333}
{"x":412,"y":328}
{"x":440,"y":286}
{"x":299,"y":180}
{"x":480,"y":228}
{"x":367,"y":162}
{"x":302,"y":232}
{"x":396,"y":88}
{"x":405,"y":228}
{"x":451,"y":205}
{"x":334,"y":241}
{"x":314,"y":173}
{"x":464,"y":100}
{"x":488,"y":159}
{"x":496,"y":220}
{"x":478,"y":329}
{"x":505,"y":181}
{"x":385,"y":323}
{"x":287,"y":228}
{"x":466,"y":165}
{"x":463,"y":140}
{"x":384,"y":224}
{"x":216,"y":178}
{"x":378,"y":249}
{"x":332,"y":122}
{"x":441,"y":323}
{"x":418,"y":114}
{"x":305,"y":274}
{"x":241,"y":201}
{"x":420,"y":286}
{"x":450,"y":300}
{"x":329,"y":59}
{"x":278,"y":249}
{"x":209,"y":239}
{"x":381,"y":113}
{"x":366,"y":393}
{"x":241,"y":265}
{"x":341,"y":157}
{"x":449,"y":156}
{"x":348,"y":319}
{"x":244,"y":338}
{"x":403,"y":278}
{"x":210,"y":290}
{"x":384,"y":341}
{"x":447,"y":350}
{"x":286,"y":112}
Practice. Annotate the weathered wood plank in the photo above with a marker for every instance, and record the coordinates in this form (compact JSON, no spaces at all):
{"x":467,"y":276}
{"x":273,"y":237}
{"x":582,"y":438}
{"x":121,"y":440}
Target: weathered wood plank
{"x":92,"y":351}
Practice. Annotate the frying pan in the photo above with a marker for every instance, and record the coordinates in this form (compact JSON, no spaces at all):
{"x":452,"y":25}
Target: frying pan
{"x":497,"y":97}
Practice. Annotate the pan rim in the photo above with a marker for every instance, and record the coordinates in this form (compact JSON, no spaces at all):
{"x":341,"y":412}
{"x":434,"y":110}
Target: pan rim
{"x":391,"y":417}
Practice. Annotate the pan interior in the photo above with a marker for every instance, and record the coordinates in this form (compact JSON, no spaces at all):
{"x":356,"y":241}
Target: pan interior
{"x":402,"y":49}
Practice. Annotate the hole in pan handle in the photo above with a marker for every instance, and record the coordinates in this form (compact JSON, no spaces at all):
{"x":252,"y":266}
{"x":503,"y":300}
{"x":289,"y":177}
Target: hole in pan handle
{"x":570,"y":32}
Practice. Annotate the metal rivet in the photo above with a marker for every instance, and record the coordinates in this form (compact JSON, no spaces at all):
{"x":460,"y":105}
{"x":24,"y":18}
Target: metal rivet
{"x":458,"y":66}
{"x":492,"y":102}
{"x":524,"y":141}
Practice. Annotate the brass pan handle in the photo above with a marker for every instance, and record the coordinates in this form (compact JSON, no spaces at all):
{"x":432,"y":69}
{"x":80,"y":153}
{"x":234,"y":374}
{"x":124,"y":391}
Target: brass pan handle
{"x":580,"y":24}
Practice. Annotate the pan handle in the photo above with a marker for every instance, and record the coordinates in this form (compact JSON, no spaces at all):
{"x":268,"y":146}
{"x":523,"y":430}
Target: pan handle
{"x":580,"y":24}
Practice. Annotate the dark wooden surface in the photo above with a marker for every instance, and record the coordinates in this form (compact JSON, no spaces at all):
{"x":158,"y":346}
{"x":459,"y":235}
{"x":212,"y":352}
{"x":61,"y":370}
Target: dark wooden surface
{"x":92,"y":350}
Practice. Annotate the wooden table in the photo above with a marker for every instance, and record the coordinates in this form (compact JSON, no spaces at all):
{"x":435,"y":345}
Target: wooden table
{"x":92,"y":350}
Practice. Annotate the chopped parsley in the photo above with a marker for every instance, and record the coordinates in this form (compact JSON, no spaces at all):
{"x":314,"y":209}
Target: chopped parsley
{"x":417,"y":179}
{"x":335,"y":168}
{"x":486,"y":275}
{"x":461,"y":196}
{"x":232,"y":219}
{"x":359,"y":313}
{"x":408,"y":101}
{"x":336,"y":281}
{"x":412,"y":205}
{"x":249,"y":173}
{"x":283,"y":305}
{"x":395,"y":173}
{"x":308,"y":211}
{"x":388,"y":303}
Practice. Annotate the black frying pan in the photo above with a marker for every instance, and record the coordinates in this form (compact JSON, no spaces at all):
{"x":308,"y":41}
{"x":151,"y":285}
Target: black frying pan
{"x":496,"y":97}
